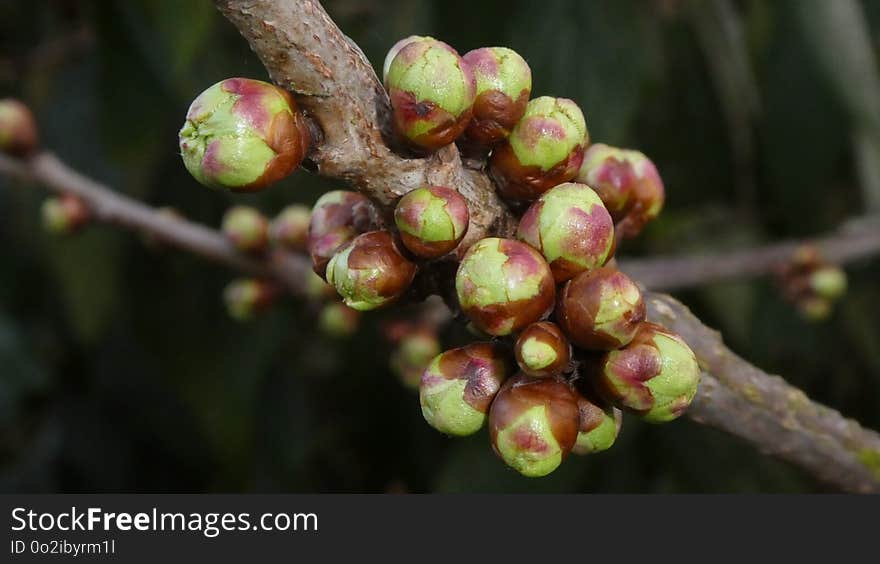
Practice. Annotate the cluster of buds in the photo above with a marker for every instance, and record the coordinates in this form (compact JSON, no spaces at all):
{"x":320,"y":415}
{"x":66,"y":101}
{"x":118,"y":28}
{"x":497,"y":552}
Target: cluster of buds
{"x":812,"y":285}
{"x":371,"y":267}
{"x":578,"y":374}
{"x":584,"y":349}
{"x":548,"y":297}
{"x":481,"y":101}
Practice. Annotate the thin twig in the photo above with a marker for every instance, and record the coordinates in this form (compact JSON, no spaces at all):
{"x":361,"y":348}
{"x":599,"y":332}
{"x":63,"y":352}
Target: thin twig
{"x":113,"y":208}
{"x":858,"y":241}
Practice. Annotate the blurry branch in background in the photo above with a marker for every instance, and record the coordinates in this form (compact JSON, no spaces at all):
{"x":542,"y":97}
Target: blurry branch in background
{"x":719,"y":30}
{"x":109,"y":206}
{"x":858,"y":239}
{"x":838,"y":34}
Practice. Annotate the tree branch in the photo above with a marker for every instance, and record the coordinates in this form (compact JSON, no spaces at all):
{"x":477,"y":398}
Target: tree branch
{"x":110,"y":207}
{"x":857,"y":242}
{"x":765,"y":410}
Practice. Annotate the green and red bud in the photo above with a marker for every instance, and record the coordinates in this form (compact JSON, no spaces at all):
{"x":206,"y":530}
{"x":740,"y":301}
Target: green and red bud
{"x":542,"y":350}
{"x":533,"y":424}
{"x":828,"y":282}
{"x":504,"y":285}
{"x":242,"y":134}
{"x":570,"y":226}
{"x":64,"y":215}
{"x":245,"y":298}
{"x":432,"y":220}
{"x":18,"y":129}
{"x":337,"y":218}
{"x":545,"y":149}
{"x":598,"y":426}
{"x":414,"y":352}
{"x":246,"y":228}
{"x":337,"y":320}
{"x":432,"y":93}
{"x":628,"y":183}
{"x":600,"y":309}
{"x":290,"y":228}
{"x":504,"y":83}
{"x":656,"y":375}
{"x":458,"y":386}
{"x":370,"y":272}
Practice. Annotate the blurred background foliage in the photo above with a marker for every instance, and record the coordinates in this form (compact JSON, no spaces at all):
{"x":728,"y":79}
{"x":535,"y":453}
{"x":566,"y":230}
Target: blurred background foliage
{"x":120,"y":371}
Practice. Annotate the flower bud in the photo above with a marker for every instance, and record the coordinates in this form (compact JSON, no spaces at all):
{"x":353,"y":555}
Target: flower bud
{"x":432,"y":220}
{"x":413,"y":354}
{"x":600,"y":309}
{"x":369,"y":272}
{"x":18,"y":129}
{"x":504,"y":285}
{"x":243,"y":134}
{"x":337,"y":320}
{"x":628,"y":183}
{"x":533,"y":424}
{"x":597,"y":426}
{"x":458,"y":386}
{"x":290,"y":228}
{"x":247,"y":297}
{"x":545,"y":149}
{"x":542,"y":350}
{"x":395,"y":49}
{"x":656,"y":375}
{"x":64,"y":215}
{"x":246,"y":229}
{"x":337,"y":217}
{"x":432,"y":93}
{"x":570,"y":226}
{"x":504,"y":83}
{"x":828,"y":282}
